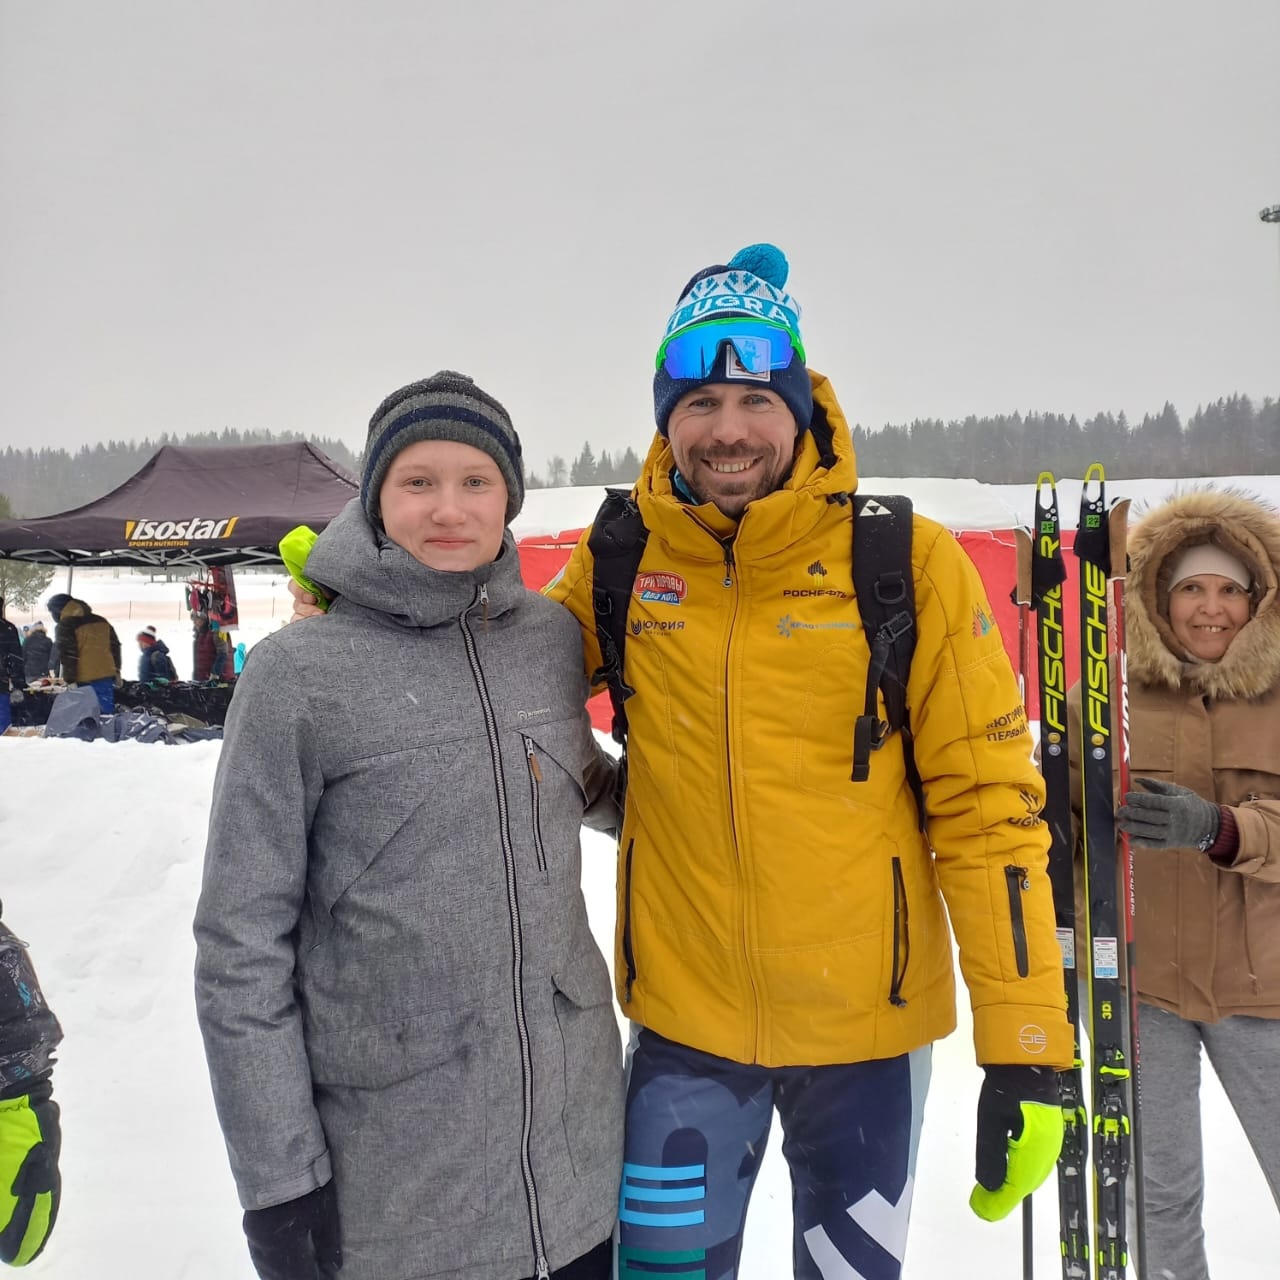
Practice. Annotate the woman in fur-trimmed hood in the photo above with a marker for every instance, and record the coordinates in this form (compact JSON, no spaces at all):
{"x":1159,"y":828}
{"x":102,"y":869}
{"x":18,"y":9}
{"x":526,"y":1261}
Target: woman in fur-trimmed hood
{"x":1203,"y":818}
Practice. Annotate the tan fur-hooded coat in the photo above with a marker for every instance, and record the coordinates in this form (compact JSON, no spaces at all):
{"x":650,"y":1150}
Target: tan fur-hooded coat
{"x":1208,"y":930}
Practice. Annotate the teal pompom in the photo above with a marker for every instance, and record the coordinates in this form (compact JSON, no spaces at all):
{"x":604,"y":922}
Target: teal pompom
{"x":764,"y":260}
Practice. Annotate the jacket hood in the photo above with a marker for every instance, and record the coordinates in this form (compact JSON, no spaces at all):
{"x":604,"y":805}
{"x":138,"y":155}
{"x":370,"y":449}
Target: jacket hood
{"x":1239,"y":523}
{"x":824,"y":466}
{"x":367,"y":569}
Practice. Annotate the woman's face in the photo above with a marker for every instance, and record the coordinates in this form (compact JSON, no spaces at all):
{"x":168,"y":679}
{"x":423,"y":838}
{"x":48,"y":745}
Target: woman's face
{"x":1206,"y":613}
{"x":445,"y":503}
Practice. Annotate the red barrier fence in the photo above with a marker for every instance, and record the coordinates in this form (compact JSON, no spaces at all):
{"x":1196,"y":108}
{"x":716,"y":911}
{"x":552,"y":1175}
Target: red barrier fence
{"x":992,"y":552}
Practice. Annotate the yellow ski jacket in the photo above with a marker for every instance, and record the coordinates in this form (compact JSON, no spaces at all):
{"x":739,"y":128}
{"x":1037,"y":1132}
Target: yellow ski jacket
{"x":770,"y":910}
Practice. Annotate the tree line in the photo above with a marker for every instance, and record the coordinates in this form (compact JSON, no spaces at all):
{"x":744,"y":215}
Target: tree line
{"x":1231,"y":436}
{"x":40,"y":482}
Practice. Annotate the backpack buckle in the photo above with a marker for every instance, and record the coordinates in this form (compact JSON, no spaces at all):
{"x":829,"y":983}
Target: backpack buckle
{"x":869,"y":734}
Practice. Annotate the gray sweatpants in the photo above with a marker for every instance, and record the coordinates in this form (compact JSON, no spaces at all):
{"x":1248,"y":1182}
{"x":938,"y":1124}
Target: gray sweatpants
{"x":1245,"y":1053}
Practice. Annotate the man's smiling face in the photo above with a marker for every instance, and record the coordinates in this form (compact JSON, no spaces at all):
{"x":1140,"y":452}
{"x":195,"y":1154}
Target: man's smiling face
{"x":733,"y":442}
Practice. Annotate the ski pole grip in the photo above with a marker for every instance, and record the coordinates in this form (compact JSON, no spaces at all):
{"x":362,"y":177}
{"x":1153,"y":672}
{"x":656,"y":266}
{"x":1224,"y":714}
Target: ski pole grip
{"x":295,"y":547}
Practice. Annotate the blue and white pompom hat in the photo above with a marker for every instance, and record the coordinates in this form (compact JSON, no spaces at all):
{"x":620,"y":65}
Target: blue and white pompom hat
{"x":749,"y":286}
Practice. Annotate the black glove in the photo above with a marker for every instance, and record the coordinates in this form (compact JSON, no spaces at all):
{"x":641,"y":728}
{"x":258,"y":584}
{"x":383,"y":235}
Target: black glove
{"x":297,"y":1240}
{"x":1167,"y":816}
{"x":30,"y":1185}
{"x":1019,"y":1136}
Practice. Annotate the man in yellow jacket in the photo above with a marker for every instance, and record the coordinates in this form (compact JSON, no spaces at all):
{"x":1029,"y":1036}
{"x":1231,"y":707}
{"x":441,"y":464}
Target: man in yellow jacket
{"x":782,"y":940}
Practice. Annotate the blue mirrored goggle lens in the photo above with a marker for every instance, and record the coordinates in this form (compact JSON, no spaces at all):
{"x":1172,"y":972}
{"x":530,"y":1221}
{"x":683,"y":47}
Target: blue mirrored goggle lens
{"x":758,"y":346}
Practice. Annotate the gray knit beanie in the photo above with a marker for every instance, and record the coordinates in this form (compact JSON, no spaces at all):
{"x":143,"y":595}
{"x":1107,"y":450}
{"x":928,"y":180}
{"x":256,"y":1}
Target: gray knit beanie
{"x":445,"y":406}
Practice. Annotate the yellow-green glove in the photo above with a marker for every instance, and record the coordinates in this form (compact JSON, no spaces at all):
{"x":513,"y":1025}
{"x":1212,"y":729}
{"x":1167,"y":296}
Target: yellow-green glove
{"x":295,"y":547}
{"x":1019,"y":1137}
{"x":30,"y":1185}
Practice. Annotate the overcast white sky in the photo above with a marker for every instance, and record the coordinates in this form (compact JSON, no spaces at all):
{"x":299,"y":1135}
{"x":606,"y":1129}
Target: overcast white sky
{"x":271,"y":214}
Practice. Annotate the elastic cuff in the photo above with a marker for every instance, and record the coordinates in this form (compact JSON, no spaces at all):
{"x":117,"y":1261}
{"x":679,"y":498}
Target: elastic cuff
{"x":1227,"y":844}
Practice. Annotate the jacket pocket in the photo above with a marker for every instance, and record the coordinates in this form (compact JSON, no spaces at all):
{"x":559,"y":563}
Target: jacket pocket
{"x":535,"y":791}
{"x":1018,"y":884}
{"x":403,"y":1103}
{"x":901,"y":936}
{"x":592,"y":1063}
{"x":555,"y":768}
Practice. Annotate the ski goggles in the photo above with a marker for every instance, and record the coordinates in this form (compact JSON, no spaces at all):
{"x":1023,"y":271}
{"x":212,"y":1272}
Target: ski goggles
{"x":758,"y":345}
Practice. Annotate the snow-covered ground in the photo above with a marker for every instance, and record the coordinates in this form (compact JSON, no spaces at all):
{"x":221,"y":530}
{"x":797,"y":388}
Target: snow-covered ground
{"x":100,"y":852}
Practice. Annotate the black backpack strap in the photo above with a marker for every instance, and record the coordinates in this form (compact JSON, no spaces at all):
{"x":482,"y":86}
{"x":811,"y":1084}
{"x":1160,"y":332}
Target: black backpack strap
{"x":616,"y":542}
{"x":885,"y":587}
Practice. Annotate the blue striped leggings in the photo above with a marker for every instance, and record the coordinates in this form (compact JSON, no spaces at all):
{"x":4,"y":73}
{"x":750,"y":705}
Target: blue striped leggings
{"x":696,"y":1131}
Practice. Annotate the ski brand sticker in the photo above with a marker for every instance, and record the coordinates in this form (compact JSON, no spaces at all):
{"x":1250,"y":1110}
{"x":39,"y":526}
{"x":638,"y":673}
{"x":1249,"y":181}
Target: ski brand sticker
{"x":1067,"y":942}
{"x":1106,"y":958}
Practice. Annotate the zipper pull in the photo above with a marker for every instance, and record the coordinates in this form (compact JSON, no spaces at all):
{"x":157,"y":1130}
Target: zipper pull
{"x":534,"y":767}
{"x":728,"y":564}
{"x":544,"y":1271}
{"x":484,"y":605}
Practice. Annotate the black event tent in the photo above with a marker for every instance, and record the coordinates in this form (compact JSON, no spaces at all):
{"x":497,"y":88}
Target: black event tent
{"x":192,"y":507}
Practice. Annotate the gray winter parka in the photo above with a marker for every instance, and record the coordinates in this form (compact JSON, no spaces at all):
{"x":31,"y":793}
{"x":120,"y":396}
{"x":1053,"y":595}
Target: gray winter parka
{"x":396,"y":980}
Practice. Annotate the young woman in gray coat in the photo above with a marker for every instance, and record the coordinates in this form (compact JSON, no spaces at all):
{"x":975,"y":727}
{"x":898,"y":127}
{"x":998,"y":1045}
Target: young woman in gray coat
{"x":408,"y":1024}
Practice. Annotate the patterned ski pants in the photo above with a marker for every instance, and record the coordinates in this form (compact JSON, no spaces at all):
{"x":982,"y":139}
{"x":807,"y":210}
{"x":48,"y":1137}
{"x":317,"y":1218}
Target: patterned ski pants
{"x":696,"y":1131}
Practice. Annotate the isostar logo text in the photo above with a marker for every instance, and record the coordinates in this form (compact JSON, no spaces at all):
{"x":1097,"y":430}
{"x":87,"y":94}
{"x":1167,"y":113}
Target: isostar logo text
{"x":662,"y":588}
{"x":177,"y":532}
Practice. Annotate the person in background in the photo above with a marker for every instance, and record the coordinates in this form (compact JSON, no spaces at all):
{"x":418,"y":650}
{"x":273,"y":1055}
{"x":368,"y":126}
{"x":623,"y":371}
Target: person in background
{"x":30,"y":1128}
{"x":154,"y":663}
{"x":1202,"y":623}
{"x":38,"y":660}
{"x":224,"y":667}
{"x":12,"y":671}
{"x":203,"y":646}
{"x":88,"y":648}
{"x":211,"y":654}
{"x":408,"y":1023}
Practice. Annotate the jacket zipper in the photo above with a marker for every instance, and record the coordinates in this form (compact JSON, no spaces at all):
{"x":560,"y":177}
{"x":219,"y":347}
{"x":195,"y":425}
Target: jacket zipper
{"x":1016,"y":878}
{"x":726,"y":545}
{"x":901,"y":937}
{"x":535,"y":782}
{"x":628,"y":947}
{"x":513,"y":915}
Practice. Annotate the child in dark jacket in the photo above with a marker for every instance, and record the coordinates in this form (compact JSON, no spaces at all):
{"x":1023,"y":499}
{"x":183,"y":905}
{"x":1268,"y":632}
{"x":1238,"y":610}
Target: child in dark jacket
{"x":154,"y":663}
